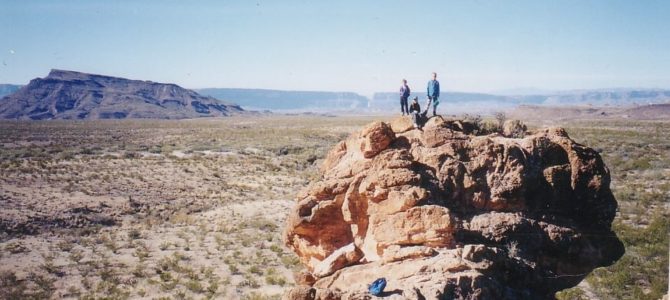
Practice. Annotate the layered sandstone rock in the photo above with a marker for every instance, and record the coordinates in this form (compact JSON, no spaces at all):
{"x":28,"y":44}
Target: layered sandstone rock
{"x":442,"y":213}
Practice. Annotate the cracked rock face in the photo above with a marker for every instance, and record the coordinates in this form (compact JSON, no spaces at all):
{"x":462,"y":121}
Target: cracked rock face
{"x":442,"y":213}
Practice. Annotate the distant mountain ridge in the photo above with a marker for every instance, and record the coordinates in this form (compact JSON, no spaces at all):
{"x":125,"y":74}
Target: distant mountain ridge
{"x":289,"y":100}
{"x":578,"y":97}
{"x":279,"y":100}
{"x":581,"y":97}
{"x":72,"y":95}
{"x":610,"y":97}
{"x":75,"y":95}
{"x":6,"y":89}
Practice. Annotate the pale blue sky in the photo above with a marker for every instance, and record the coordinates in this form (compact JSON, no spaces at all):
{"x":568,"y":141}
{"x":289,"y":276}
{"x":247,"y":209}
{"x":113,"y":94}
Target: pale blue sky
{"x":343,"y":45}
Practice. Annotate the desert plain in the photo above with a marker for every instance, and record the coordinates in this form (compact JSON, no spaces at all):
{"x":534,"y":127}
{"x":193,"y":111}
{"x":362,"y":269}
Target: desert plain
{"x":194,"y":209}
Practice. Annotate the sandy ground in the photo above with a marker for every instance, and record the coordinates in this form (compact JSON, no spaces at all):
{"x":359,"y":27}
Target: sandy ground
{"x":181,"y":209}
{"x":194,"y":209}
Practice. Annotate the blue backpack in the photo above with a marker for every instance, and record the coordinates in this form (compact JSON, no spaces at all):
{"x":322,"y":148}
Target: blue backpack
{"x":377,"y":287}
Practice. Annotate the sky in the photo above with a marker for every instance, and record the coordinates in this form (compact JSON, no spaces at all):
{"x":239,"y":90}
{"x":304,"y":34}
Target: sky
{"x":359,"y":46}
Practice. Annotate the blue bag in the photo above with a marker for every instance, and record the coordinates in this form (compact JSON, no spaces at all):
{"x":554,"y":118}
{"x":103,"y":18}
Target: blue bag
{"x":377,"y":287}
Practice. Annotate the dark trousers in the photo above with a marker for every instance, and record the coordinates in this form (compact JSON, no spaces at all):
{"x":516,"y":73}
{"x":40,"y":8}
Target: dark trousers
{"x":403,"y":105}
{"x":416,"y":119}
{"x":434,"y":101}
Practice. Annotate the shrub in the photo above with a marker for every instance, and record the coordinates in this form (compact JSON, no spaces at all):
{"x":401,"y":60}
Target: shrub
{"x":194,"y":286}
{"x":255,"y":270}
{"x":11,"y":287}
{"x":488,"y":127}
{"x":571,"y":294}
{"x":500,"y":118}
{"x":16,"y":247}
{"x":65,"y":246}
{"x":134,"y":234}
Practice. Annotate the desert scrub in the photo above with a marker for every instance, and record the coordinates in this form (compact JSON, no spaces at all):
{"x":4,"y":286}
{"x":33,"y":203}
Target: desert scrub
{"x":141,"y":251}
{"x":646,"y":249}
{"x":274,"y":278}
{"x":194,"y":286}
{"x":73,"y":291}
{"x":571,"y":294}
{"x":233,"y":269}
{"x":256,"y":270}
{"x":140,"y":271}
{"x":45,"y":286}
{"x":641,"y":163}
{"x":172,"y":263}
{"x":11,"y":287}
{"x":134,"y":234}
{"x":16,"y":247}
{"x":76,"y":256}
{"x":212,"y":287}
{"x":109,"y":241}
{"x":168,"y":282}
{"x":49,"y":266}
{"x":249,"y":281}
{"x":290,"y":261}
{"x":165,"y":245}
{"x":259,"y":296}
{"x":276,"y":248}
{"x":141,"y":292}
{"x":171,"y":200}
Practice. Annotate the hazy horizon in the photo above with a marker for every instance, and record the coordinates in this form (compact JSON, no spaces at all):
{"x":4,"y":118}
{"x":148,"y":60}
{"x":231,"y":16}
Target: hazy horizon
{"x":521,"y":91}
{"x":346,"y":46}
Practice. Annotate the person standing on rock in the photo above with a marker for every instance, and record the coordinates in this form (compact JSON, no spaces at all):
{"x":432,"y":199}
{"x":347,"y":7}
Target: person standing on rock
{"x":404,"y":94}
{"x":415,"y":110}
{"x":433,"y":92}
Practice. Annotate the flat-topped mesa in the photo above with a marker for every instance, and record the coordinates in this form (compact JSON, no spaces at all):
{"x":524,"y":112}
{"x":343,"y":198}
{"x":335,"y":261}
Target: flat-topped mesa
{"x":75,"y":95}
{"x":74,"y":75}
{"x":107,"y":81}
{"x":443,"y":212}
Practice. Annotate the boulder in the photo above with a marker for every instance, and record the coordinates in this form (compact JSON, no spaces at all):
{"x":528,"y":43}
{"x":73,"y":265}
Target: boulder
{"x":376,"y":137}
{"x":402,"y":124}
{"x":443,"y":213}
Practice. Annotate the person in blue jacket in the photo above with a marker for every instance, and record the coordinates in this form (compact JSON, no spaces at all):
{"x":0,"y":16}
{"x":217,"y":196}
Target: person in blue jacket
{"x":404,"y":94}
{"x":433,"y":91}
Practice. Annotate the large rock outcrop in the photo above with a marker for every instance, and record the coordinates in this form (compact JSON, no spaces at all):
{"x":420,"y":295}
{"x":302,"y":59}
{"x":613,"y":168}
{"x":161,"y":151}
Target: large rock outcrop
{"x":443,"y":213}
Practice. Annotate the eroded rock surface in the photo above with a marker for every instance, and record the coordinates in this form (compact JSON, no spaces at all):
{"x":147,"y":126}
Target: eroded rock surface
{"x":443,"y":214}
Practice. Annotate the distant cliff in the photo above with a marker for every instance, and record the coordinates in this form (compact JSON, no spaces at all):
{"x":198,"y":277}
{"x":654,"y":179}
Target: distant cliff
{"x":75,"y":95}
{"x":481,"y":101}
{"x":289,"y":100}
{"x":610,"y":97}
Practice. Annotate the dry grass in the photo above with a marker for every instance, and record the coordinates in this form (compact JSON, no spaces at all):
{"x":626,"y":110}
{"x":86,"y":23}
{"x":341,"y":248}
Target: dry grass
{"x":638,"y":155}
{"x":194,"y":209}
{"x":154,"y":209}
